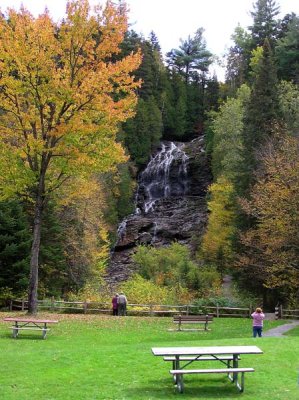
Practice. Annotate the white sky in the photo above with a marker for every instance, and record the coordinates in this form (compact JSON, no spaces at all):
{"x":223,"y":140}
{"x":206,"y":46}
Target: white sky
{"x":175,"y":19}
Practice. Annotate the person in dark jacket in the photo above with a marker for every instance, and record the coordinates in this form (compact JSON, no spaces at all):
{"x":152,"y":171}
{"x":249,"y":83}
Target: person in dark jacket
{"x":122,"y":304}
{"x":115,"y":304}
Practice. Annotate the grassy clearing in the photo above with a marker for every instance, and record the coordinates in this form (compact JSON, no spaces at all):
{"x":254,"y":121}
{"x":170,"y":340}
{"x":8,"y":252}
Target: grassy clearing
{"x":101,"y":357}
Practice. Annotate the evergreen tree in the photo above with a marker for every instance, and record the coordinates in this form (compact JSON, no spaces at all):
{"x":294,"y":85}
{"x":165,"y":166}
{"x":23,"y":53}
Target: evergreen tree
{"x":287,"y":52}
{"x":53,"y":265}
{"x":238,"y":59}
{"x":212,"y":95}
{"x":180,"y":106}
{"x":194,"y":108}
{"x":143,"y":132}
{"x":15,"y":242}
{"x":283,"y":25}
{"x":263,"y":109}
{"x":191,"y":57}
{"x":264,"y":23}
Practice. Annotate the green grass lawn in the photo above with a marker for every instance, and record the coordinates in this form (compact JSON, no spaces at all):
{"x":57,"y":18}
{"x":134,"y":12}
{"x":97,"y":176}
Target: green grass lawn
{"x":103,"y":357}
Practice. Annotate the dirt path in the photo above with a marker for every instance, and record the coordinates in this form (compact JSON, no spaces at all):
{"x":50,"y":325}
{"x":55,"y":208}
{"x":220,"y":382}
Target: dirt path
{"x":280,"y":330}
{"x":227,"y":291}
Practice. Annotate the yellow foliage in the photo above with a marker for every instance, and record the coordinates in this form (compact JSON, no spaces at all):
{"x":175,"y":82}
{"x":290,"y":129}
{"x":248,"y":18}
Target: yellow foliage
{"x":141,"y":291}
{"x":62,"y":95}
{"x":271,"y":247}
{"x":220,"y":229}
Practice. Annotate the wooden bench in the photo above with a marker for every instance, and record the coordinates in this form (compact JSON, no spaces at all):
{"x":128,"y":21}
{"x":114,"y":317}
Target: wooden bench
{"x":225,"y":359}
{"x":178,"y":375}
{"x":192,"y":319}
{"x":29,"y":324}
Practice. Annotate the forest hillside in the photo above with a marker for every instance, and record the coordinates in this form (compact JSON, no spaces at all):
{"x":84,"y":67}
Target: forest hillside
{"x":87,"y":105}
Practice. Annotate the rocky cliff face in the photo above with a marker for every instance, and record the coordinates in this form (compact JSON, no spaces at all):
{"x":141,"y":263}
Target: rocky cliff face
{"x":170,"y":205}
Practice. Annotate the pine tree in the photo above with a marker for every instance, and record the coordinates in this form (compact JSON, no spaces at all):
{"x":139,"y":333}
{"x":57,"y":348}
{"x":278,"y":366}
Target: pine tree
{"x":263,"y":109}
{"x":15,"y":242}
{"x":237,"y":70}
{"x":191,"y":57}
{"x":264,"y":23}
{"x":287,"y":52}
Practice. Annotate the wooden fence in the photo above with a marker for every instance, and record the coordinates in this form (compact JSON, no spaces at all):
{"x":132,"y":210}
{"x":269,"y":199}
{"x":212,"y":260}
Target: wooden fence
{"x":284,"y":313}
{"x":133,"y":309}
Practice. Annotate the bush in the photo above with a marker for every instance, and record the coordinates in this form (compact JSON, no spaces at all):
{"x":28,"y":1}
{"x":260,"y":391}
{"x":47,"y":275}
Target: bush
{"x":5,"y":295}
{"x":142,"y":291}
{"x":213,"y":301}
{"x":172,"y":266}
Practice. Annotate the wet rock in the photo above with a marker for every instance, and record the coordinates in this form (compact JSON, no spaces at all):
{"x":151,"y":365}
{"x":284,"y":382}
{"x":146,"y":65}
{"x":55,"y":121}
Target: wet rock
{"x":176,"y":212}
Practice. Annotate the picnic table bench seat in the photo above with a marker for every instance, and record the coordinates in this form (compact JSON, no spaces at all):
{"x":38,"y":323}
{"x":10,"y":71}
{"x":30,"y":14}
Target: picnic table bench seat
{"x":29,"y":324}
{"x":178,"y":375}
{"x":192,"y":319}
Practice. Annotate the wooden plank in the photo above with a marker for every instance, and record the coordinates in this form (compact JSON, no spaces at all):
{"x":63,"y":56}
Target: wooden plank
{"x":215,"y":350}
{"x":32,"y":328}
{"x":31,"y":320}
{"x":210,"y":371}
{"x":205,"y":358}
{"x":192,"y":322}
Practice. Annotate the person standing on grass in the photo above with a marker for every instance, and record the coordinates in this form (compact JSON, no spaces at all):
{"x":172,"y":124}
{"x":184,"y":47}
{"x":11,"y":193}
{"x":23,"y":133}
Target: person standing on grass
{"x":257,"y":323}
{"x":115,"y":304}
{"x":122,"y":304}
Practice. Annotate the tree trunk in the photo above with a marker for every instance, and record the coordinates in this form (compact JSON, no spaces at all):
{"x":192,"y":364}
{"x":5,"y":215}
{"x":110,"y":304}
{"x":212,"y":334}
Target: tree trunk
{"x":35,"y":248}
{"x":33,"y":281}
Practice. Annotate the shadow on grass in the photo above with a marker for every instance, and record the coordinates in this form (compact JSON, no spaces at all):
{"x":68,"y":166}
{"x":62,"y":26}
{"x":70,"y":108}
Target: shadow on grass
{"x":21,"y":337}
{"x":209,"y":388}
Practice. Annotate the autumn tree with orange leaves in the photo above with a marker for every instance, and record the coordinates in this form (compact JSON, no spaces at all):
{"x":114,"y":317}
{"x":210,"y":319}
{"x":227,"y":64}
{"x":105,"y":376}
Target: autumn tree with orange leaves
{"x":63,"y":94}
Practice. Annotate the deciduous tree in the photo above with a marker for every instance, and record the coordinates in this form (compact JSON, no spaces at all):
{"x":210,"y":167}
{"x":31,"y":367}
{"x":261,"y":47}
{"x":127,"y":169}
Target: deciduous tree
{"x":63,"y":95}
{"x":271,"y":249}
{"x":217,"y":248}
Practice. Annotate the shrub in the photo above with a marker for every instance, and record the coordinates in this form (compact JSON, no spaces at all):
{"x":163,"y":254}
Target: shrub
{"x":172,"y":266}
{"x":142,"y":291}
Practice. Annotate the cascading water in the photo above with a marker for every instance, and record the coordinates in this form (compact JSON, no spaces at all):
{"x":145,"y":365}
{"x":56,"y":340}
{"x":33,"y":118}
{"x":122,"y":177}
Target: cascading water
{"x":165,"y":176}
{"x":156,"y":182}
{"x":170,"y":205}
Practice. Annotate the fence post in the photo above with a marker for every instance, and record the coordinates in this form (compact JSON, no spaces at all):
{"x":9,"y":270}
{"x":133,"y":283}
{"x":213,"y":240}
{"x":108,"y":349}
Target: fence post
{"x":23,"y":304}
{"x":217,"y":311}
{"x":187,"y":310}
{"x":85,"y":306}
{"x":280,"y":311}
{"x":276,"y":312}
{"x":52,"y":303}
{"x":151,"y":310}
{"x":10,"y":305}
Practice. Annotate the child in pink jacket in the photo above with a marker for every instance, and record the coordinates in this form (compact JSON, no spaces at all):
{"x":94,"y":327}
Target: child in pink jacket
{"x":257,"y":323}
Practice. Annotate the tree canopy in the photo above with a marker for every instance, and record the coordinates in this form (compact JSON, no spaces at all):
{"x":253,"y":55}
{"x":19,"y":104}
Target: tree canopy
{"x":62,"y":98}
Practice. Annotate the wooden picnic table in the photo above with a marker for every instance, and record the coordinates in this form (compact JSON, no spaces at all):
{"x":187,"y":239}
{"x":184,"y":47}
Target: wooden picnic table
{"x":185,"y":356}
{"x":29,"y":324}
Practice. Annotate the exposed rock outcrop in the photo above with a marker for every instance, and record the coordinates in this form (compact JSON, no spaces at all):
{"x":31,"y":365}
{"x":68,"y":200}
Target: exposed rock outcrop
{"x":170,"y":205}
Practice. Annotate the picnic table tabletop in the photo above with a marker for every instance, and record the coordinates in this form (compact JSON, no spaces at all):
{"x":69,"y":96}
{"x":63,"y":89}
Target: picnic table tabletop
{"x":38,"y":321}
{"x":206,"y":350}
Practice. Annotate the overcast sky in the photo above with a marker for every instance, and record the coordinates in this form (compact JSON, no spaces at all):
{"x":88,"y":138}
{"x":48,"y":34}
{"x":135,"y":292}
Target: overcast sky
{"x":175,"y":19}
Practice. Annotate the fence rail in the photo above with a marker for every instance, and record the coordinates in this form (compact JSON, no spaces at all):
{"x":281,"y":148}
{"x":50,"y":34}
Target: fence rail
{"x":286,"y":313}
{"x":149,"y":309}
{"x":132,"y":308}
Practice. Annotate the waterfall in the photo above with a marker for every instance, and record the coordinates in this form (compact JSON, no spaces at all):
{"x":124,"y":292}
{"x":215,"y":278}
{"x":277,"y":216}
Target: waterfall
{"x":169,"y":205}
{"x":165,"y":176}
